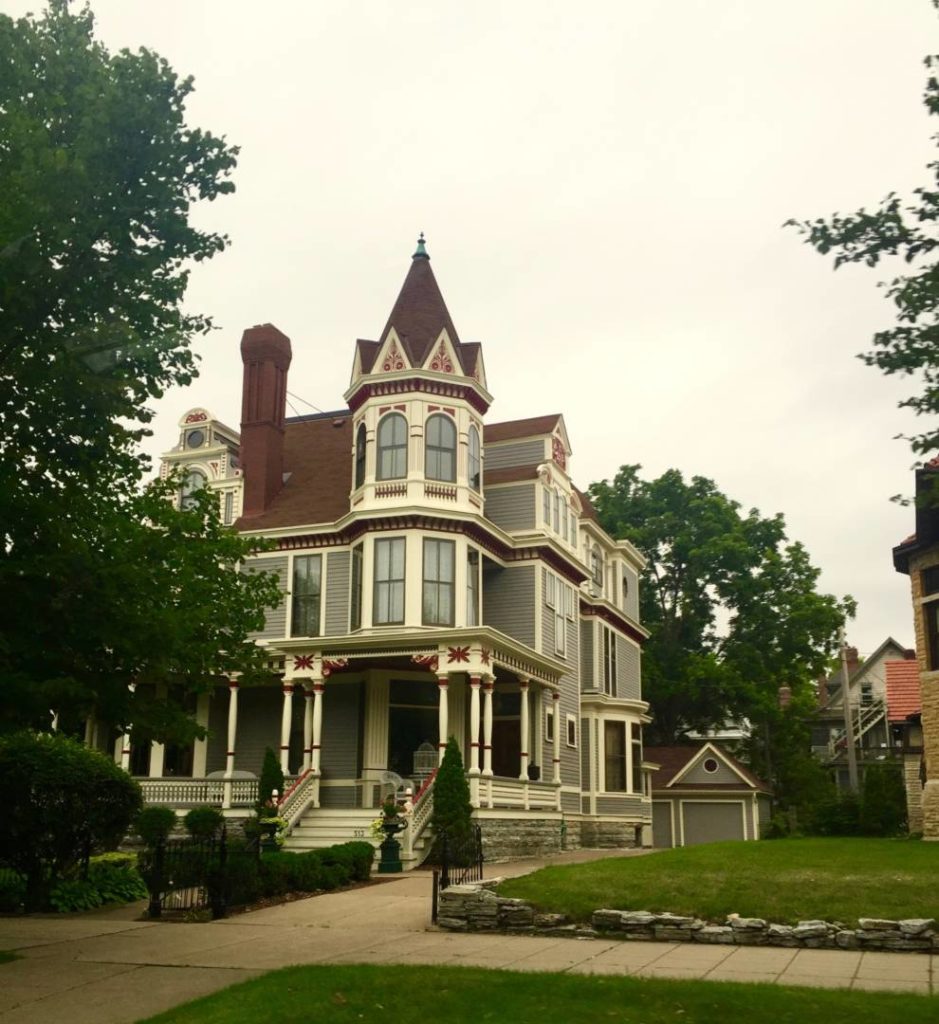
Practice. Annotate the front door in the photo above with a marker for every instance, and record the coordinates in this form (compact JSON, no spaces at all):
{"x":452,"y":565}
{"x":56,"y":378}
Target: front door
{"x":506,"y":747}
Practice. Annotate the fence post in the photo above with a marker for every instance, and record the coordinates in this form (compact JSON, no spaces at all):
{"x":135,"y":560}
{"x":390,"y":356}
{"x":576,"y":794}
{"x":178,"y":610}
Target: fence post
{"x":433,"y":898}
{"x":444,"y":860}
{"x":155,"y":907}
{"x":219,"y":903}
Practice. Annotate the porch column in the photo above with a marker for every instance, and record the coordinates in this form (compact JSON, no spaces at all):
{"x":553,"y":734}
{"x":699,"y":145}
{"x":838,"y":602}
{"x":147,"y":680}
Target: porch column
{"x":307,"y":728}
{"x":158,"y":750}
{"x":556,"y":702}
{"x":443,"y":709}
{"x":230,"y":749}
{"x":200,"y":748}
{"x":475,"y":682}
{"x":319,"y":690}
{"x":125,"y":739}
{"x":487,"y":726}
{"x":286,"y":721}
{"x":523,"y":730}
{"x":90,"y":731}
{"x":537,"y":732}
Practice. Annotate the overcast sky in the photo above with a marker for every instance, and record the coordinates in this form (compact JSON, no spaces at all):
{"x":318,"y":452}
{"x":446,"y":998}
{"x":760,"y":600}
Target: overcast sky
{"x":603,"y":187}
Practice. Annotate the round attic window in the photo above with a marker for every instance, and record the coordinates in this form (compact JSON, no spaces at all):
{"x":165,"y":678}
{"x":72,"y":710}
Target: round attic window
{"x":710,"y":765}
{"x":194,"y":439}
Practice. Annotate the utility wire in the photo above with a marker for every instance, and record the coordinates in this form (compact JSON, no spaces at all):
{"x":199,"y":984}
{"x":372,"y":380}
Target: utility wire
{"x":305,"y":402}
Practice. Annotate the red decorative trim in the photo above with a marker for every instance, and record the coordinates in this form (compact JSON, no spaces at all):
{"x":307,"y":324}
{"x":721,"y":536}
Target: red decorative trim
{"x":474,"y":744}
{"x":432,"y":408}
{"x":558,"y":454}
{"x":555,"y":695}
{"x":196,"y":417}
{"x":232,"y":684}
{"x":612,"y":618}
{"x":458,"y":654}
{"x":523,"y":684}
{"x":229,"y":753}
{"x":427,"y":660}
{"x":443,"y":682}
{"x":488,"y":686}
{"x":382,"y":409}
{"x":441,"y":362}
{"x":391,"y":490}
{"x":401,"y":408}
{"x":439,"y":491}
{"x":318,"y":688}
{"x":446,"y":389}
{"x":331,"y":665}
{"x":393,"y":360}
{"x":288,"y":689}
{"x":475,"y":681}
{"x":427,"y":782}
{"x":485,"y":655}
{"x":303,"y":661}
{"x":294,"y":785}
{"x":316,"y":746}
{"x":285,"y":746}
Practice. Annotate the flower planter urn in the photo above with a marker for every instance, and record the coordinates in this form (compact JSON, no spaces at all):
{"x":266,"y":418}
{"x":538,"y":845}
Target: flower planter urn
{"x":390,"y":862}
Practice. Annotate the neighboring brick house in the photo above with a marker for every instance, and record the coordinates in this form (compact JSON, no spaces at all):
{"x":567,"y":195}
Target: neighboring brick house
{"x":701,"y":794}
{"x":867,"y":702}
{"x":904,"y":714}
{"x":442,"y":574}
{"x":918,"y":558}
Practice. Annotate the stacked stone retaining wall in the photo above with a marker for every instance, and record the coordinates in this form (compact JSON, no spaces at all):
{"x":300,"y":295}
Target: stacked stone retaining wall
{"x":475,"y":907}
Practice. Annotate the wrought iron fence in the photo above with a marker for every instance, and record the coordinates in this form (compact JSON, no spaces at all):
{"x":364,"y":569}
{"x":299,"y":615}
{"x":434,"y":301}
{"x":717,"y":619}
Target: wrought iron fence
{"x":460,"y":860}
{"x":190,"y":875}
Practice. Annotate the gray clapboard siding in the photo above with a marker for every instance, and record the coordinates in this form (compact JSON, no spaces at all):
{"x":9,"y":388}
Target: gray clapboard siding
{"x":519,"y":453}
{"x":218,"y":730}
{"x":509,"y":601}
{"x":337,"y":593}
{"x":511,"y":508}
{"x":570,"y":803}
{"x":585,"y":752}
{"x":276,"y":621}
{"x":259,"y":712}
{"x":632,"y":596}
{"x":626,"y":804}
{"x":724,"y":774}
{"x":627,"y":669}
{"x":340,"y":745}
{"x":587,"y":680}
{"x":339,"y":796}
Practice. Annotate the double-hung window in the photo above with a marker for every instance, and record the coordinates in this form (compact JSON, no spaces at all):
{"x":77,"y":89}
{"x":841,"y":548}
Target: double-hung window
{"x":546,"y":506}
{"x":438,"y":582}
{"x":388,"y":597}
{"x":636,"y":738}
{"x":609,"y":661}
{"x":360,"y":455}
{"x":440,"y":448}
{"x":305,"y":595}
{"x":193,"y":481}
{"x":472,"y":587}
{"x":560,"y":618}
{"x":355,"y":597}
{"x":475,"y":465}
{"x":392,"y":447}
{"x":614,"y":756}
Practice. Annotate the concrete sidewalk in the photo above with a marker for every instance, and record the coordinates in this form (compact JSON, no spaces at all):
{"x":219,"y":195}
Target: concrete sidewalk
{"x":111,"y":968}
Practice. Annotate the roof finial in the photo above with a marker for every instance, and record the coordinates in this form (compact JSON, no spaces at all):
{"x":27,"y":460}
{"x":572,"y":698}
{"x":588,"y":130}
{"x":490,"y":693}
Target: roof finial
{"x":420,"y":252}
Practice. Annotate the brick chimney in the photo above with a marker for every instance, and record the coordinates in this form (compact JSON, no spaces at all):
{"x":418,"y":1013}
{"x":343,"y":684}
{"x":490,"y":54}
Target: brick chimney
{"x":853,"y":660}
{"x":266,"y":355}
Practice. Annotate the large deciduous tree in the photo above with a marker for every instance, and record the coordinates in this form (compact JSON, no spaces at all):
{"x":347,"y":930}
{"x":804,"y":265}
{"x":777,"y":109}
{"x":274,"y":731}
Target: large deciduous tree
{"x":899,"y":230}
{"x":730,"y":602}
{"x":105,"y":581}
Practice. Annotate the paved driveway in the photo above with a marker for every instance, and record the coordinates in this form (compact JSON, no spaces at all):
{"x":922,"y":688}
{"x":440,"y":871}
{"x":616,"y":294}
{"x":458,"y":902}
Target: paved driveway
{"x":110,"y":968}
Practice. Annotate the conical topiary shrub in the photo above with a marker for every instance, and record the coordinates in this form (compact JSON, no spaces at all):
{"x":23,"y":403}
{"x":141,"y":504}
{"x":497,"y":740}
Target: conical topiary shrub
{"x":452,"y":809}
{"x":271,"y":778}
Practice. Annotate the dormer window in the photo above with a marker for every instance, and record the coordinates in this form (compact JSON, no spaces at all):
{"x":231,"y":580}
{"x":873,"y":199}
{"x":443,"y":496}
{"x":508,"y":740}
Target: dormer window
{"x":392,"y":447}
{"x":596,"y":569}
{"x":440,"y":449}
{"x":475,"y":466}
{"x":360,"y":455}
{"x":195,"y":439}
{"x":193,"y":481}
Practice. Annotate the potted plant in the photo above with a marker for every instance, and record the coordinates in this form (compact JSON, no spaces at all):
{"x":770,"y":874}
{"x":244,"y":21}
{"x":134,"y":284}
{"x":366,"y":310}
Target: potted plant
{"x":393,"y":820}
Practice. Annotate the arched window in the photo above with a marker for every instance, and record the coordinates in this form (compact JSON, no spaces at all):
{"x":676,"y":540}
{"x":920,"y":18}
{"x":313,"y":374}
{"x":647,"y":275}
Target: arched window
{"x":440,"y":448}
{"x":360,"y":455}
{"x":392,"y":447}
{"x":474,"y":463}
{"x":193,"y":481}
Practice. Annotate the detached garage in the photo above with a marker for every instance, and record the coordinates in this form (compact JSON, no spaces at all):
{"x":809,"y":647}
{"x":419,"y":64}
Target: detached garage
{"x":700,"y":794}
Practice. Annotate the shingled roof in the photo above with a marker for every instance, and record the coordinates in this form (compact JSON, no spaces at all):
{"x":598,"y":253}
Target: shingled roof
{"x":903,"y":692}
{"x":673,"y":760}
{"x":512,"y":430}
{"x":318,"y":472}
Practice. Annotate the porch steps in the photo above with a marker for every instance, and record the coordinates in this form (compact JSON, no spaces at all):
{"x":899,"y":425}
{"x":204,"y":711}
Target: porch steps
{"x":328,"y":826}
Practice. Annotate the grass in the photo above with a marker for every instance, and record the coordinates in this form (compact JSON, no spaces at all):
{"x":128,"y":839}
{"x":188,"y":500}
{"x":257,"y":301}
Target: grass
{"x":785,"y":881}
{"x":467,"y":995}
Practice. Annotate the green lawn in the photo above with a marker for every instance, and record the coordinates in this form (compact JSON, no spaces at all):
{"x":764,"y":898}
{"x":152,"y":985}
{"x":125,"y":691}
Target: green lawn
{"x":417,"y":995}
{"x":783,"y":880}
{"x":6,"y":957}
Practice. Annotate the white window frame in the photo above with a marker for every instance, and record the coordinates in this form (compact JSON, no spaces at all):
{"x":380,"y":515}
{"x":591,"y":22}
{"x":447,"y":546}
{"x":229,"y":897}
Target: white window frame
{"x":560,"y":619}
{"x":608,"y":660}
{"x":391,"y":582}
{"x":570,"y":721}
{"x":550,"y":589}
{"x":549,"y":725}
{"x":320,"y":603}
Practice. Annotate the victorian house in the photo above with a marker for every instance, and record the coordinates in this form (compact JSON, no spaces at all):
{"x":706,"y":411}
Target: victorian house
{"x":442,"y":576}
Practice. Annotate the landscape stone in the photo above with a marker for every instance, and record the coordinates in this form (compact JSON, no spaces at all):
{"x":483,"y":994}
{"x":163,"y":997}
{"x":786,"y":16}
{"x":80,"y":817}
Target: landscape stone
{"x":917,"y":925}
{"x":878,"y":924}
{"x":715,"y":934}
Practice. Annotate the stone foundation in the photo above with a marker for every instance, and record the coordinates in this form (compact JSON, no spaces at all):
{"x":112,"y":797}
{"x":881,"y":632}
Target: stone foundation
{"x":914,"y":793}
{"x":475,"y":907}
{"x":508,"y":838}
{"x":607,"y":835}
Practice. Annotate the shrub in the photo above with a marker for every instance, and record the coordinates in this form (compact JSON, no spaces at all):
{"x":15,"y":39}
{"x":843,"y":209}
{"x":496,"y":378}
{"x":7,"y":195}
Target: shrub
{"x":154,"y":824}
{"x":452,"y":808}
{"x":356,"y":857}
{"x":61,"y":803}
{"x":116,"y":883}
{"x":12,"y":891}
{"x":204,"y":822}
{"x":271,"y":778}
{"x":73,"y":894}
{"x":117,"y":859}
{"x":839,"y":815}
{"x":883,"y":800}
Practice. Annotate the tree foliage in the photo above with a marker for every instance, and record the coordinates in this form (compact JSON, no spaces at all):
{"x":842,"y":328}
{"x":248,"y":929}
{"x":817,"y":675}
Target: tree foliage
{"x":106,"y":582}
{"x":905,"y":230}
{"x":452,"y":809}
{"x":730,"y":602}
{"x":61,"y":803}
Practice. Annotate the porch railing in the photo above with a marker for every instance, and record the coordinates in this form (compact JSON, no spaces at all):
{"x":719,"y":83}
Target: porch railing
{"x":195,"y":792}
{"x":297,"y":799}
{"x":502,"y":792}
{"x":421,"y":813}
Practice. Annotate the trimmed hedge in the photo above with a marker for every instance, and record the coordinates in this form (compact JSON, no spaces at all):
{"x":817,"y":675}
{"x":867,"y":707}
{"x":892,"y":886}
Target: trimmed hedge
{"x":112,"y":878}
